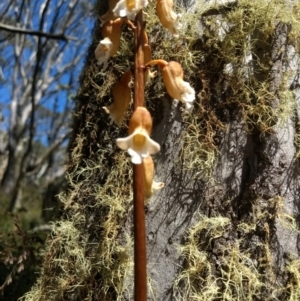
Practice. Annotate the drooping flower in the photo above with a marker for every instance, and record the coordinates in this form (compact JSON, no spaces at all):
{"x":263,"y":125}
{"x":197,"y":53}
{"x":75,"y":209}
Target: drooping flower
{"x":139,"y":144}
{"x":173,"y":79}
{"x":150,"y":186}
{"x":122,"y":96}
{"x":111,"y":32}
{"x":129,"y":8}
{"x":167,"y":17}
{"x":109,"y":16}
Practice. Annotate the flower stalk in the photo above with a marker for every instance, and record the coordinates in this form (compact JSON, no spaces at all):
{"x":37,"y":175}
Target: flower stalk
{"x":140,"y":259}
{"x":138,"y":143}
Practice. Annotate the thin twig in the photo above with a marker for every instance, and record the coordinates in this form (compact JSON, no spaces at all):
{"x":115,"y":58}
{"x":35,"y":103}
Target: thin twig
{"x":14,"y":29}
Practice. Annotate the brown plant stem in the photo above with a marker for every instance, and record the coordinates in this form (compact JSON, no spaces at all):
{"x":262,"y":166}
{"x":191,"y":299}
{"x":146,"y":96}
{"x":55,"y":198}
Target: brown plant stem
{"x":161,"y":63}
{"x":130,"y":24}
{"x":140,"y":260}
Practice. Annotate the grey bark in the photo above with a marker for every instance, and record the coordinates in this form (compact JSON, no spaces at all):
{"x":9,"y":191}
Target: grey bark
{"x":250,"y":165}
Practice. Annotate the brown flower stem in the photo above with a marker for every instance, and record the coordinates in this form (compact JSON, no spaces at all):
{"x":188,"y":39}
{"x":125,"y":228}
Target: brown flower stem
{"x":130,"y":24}
{"x":160,"y":63}
{"x":140,"y":260}
{"x":139,"y":62}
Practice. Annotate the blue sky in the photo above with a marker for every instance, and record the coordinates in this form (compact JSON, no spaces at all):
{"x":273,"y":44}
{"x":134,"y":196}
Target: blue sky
{"x":63,"y":53}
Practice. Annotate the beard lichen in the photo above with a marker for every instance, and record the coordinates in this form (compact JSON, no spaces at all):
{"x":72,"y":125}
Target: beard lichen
{"x":77,"y":258}
{"x":237,"y":44}
{"x":241,"y":266}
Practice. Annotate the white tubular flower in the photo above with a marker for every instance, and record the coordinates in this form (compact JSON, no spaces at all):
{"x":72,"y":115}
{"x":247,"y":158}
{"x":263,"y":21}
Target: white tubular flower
{"x":122,"y":96}
{"x":167,"y":17}
{"x":149,"y":185}
{"x":112,"y":30}
{"x":129,"y":8}
{"x":102,"y":52}
{"x":139,"y":144}
{"x":173,"y":79}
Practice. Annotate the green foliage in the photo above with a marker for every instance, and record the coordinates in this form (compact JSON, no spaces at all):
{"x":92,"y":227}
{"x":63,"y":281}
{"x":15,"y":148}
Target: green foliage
{"x":20,"y":256}
{"x":21,"y":243}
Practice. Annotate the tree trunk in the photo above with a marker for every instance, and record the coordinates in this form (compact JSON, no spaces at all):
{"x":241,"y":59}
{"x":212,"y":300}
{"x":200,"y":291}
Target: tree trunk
{"x":12,"y":170}
{"x":11,"y":181}
{"x":225,"y":226}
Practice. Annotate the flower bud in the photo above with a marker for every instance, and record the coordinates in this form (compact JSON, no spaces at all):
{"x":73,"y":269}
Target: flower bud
{"x":139,"y":144}
{"x":147,"y":58}
{"x":149,"y":185}
{"x":112,"y":30}
{"x":122,"y":96}
{"x":167,"y":17}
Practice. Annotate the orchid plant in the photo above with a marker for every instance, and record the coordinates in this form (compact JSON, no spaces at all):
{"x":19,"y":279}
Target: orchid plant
{"x":120,"y":12}
{"x":138,"y":143}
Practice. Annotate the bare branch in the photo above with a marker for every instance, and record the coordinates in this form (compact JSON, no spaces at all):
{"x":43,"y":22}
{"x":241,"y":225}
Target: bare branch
{"x":14,"y":29}
{"x":38,"y":67}
{"x":45,"y":156}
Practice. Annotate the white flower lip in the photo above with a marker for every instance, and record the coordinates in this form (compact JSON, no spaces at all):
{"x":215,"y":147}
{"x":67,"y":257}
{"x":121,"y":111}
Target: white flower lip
{"x":188,"y":95}
{"x":102,"y":52}
{"x":138,"y":145}
{"x":177,"y":26}
{"x":122,"y":10}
